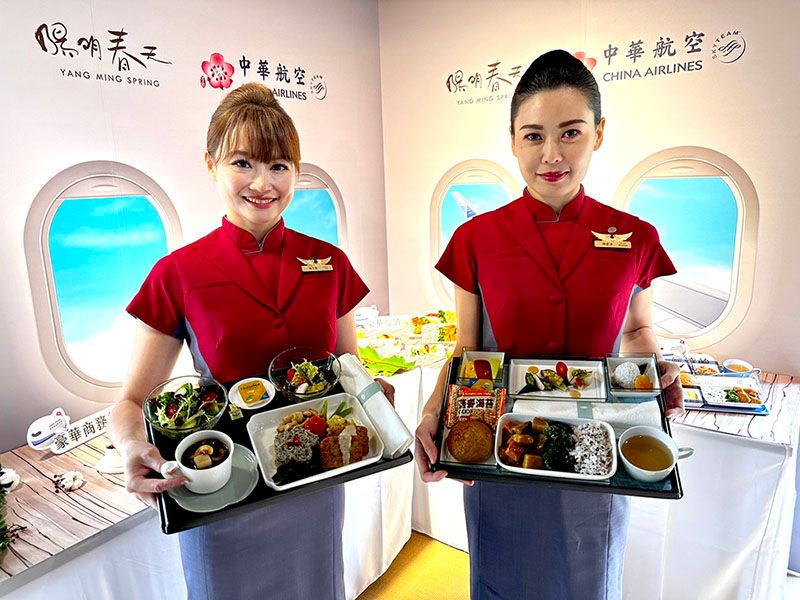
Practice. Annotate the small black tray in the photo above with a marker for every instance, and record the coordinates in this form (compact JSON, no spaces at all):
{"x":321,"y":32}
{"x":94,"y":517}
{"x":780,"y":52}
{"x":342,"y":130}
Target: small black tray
{"x":174,"y":518}
{"x":620,"y":483}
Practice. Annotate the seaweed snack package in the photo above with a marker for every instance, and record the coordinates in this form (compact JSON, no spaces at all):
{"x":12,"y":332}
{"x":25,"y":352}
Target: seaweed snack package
{"x":466,"y":403}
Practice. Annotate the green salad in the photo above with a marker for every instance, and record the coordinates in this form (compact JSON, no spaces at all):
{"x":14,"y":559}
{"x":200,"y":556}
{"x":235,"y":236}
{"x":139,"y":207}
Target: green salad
{"x":187,"y":407}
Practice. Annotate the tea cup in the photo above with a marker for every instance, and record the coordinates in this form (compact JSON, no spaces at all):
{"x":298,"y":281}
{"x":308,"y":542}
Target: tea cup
{"x":666,"y":442}
{"x":201,"y":481}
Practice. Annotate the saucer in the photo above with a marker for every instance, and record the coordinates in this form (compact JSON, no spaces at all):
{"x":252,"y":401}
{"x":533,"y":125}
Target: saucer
{"x":244,"y":477}
{"x":235,"y":398}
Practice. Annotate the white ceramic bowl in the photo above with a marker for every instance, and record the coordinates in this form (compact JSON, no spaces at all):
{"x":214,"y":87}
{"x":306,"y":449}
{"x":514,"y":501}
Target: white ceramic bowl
{"x":661,"y":436}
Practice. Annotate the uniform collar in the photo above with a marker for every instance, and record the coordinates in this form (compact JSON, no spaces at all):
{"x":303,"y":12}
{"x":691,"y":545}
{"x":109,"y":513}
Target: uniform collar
{"x":246,"y":241}
{"x":544,"y":212}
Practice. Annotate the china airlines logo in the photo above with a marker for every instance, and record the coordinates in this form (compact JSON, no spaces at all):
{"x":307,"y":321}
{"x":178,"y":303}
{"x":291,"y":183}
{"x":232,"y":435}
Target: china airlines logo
{"x":217,"y":72}
{"x":588,"y":62}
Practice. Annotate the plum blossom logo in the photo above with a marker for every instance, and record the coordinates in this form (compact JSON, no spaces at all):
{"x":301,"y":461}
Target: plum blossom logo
{"x":217,"y":72}
{"x":587,"y":61}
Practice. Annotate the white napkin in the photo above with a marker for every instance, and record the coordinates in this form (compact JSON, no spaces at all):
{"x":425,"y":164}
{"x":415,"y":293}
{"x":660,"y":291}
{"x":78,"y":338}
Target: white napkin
{"x":620,"y":415}
{"x":357,"y":382}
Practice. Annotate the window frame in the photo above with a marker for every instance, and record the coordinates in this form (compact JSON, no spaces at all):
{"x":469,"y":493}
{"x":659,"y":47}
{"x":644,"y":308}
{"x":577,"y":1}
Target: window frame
{"x":474,"y":169}
{"x":93,"y":178}
{"x":697,"y":161}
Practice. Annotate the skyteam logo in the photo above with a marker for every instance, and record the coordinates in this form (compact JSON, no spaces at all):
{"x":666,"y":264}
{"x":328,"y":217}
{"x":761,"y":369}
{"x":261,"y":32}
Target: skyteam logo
{"x":729,"y":47}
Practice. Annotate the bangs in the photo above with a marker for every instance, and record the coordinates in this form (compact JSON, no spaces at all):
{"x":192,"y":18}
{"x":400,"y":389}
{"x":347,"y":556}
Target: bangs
{"x":264,"y":134}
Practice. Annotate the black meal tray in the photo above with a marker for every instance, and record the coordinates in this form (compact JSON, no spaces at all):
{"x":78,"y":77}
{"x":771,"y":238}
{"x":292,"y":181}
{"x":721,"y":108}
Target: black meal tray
{"x":174,"y":518}
{"x":620,"y":483}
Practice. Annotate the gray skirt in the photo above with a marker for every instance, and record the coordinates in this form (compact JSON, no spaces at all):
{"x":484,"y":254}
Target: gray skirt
{"x":290,"y":550}
{"x":529,"y":541}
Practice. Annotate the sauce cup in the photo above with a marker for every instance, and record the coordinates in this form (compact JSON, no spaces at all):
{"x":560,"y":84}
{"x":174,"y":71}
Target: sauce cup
{"x":645,"y":474}
{"x":201,"y":481}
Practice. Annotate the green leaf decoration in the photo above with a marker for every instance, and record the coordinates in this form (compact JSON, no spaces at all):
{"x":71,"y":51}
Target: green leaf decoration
{"x":383,"y":365}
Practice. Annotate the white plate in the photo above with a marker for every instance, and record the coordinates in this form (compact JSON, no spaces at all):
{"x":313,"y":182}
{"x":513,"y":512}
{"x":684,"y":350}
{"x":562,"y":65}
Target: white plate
{"x":262,"y":429}
{"x":596,"y":392}
{"x":715,"y":386}
{"x":244,"y":477}
{"x":236,"y":398}
{"x":518,"y":417}
{"x":649,"y":364}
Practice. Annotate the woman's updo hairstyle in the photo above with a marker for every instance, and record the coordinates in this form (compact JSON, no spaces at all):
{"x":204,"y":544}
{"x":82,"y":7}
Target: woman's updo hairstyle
{"x":554,"y":70}
{"x":250,"y":118}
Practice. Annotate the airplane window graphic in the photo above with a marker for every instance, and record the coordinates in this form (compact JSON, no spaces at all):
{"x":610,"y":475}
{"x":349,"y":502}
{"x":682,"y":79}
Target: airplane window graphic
{"x":101,"y":249}
{"x":697,"y":219}
{"x":312,"y":212}
{"x":463,"y":201}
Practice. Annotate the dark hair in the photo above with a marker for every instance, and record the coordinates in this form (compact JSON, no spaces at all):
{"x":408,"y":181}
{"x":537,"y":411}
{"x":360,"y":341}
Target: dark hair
{"x":554,"y":70}
{"x":250,"y":117}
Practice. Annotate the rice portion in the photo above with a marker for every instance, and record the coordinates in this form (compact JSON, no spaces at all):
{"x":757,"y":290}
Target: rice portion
{"x":592,"y":452}
{"x":625,"y":374}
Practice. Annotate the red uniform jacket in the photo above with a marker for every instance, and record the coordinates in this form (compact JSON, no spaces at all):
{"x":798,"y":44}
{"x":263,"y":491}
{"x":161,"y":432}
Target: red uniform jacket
{"x":537,"y":307}
{"x":235,"y":318}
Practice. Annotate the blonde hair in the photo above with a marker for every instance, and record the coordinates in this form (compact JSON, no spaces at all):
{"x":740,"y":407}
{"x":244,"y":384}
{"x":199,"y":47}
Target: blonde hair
{"x":250,"y":118}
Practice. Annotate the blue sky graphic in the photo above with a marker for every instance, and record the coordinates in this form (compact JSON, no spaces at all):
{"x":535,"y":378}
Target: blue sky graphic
{"x":483,"y":196}
{"x":101,"y":249}
{"x":312,"y":212}
{"x":696,"y":219}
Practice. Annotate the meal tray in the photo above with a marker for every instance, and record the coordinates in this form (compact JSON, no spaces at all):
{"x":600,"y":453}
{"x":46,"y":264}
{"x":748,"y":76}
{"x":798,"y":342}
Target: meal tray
{"x":620,"y":483}
{"x":175,"y":519}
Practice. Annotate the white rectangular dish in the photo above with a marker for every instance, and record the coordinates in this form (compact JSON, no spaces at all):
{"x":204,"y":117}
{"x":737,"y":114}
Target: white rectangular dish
{"x":646,"y":365}
{"x":262,"y":428}
{"x":519,"y":417}
{"x":715,"y":389}
{"x":595,"y":391}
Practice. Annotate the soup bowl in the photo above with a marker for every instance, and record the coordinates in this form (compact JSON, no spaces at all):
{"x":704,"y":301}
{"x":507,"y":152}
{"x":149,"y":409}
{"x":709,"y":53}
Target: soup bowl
{"x":201,"y":480}
{"x":649,"y":454}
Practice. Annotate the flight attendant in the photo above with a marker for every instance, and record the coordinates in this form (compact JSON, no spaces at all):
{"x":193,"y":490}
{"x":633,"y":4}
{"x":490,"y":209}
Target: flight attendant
{"x":239,"y":296}
{"x":537,"y":277}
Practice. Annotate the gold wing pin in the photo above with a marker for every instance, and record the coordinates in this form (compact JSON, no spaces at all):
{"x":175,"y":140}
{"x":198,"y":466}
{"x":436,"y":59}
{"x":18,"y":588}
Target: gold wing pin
{"x":612,"y":240}
{"x":315,"y":265}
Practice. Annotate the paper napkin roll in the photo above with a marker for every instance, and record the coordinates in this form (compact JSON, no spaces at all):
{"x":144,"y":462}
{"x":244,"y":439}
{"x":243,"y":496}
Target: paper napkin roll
{"x":620,"y":415}
{"x":357,"y":382}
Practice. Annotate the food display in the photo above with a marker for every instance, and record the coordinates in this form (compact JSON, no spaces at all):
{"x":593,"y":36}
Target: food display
{"x":633,"y":375}
{"x":204,"y":454}
{"x":688,"y":380}
{"x":574,"y":448}
{"x":572,"y":379}
{"x":313,"y":440}
{"x":467,"y":403}
{"x":470,"y":442}
{"x":734,"y":391}
{"x":304,"y":373}
{"x":251,"y":393}
{"x":701,"y":369}
{"x":183,"y":405}
{"x":481,"y":369}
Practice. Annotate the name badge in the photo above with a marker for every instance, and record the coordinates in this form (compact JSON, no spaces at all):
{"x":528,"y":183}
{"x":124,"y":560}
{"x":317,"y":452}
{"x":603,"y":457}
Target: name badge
{"x":315,"y":265}
{"x":612,"y":240}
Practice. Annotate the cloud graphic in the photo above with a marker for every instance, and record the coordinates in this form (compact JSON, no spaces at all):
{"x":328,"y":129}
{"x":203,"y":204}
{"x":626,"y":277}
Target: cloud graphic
{"x":99,"y":239}
{"x":119,"y":205}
